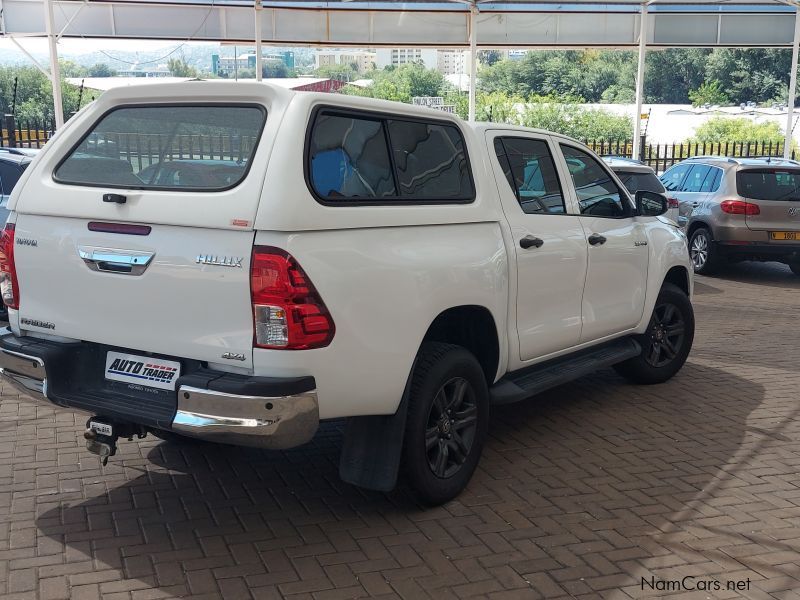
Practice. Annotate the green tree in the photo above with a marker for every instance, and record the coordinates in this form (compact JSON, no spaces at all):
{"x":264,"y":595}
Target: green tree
{"x":401,"y":84}
{"x":101,"y":70}
{"x":672,"y":73}
{"x":180,"y":68}
{"x":575,"y":121}
{"x":489,"y":57}
{"x":337,"y":72}
{"x":34,"y":101}
{"x":274,"y":69}
{"x":709,"y":93}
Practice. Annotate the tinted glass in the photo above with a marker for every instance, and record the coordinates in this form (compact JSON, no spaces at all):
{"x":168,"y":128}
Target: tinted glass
{"x":716,"y":180}
{"x":531,"y":172}
{"x":598,"y":195}
{"x":9,"y":175}
{"x":130,"y":148}
{"x":694,"y":181}
{"x":673,"y":177}
{"x":637,"y":180}
{"x":350,"y":159}
{"x":430,"y":160}
{"x":769,"y":184}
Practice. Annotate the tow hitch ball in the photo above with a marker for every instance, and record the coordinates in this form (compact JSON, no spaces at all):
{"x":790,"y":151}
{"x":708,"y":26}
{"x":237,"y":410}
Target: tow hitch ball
{"x":101,"y":436}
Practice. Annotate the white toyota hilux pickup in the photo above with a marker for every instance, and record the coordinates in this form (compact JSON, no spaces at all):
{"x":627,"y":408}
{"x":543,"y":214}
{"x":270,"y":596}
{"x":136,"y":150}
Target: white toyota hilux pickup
{"x":237,"y":262}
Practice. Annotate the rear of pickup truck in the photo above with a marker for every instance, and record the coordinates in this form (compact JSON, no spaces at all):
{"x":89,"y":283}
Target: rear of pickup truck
{"x":126,"y":266}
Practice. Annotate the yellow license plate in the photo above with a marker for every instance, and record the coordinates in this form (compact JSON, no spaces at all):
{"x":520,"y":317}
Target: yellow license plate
{"x":784,"y":235}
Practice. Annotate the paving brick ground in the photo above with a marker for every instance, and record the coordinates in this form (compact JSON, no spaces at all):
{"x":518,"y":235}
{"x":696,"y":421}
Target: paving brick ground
{"x":580,"y":494}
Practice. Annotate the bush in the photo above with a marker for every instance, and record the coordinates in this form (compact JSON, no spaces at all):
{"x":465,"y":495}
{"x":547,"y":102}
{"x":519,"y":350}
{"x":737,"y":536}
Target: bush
{"x":735,"y":129}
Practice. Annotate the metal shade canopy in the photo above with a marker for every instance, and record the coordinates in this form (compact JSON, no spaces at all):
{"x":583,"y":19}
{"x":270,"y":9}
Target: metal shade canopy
{"x":473,"y":24}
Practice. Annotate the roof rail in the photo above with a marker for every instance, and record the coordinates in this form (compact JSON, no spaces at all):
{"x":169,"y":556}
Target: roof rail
{"x":774,"y":159}
{"x":625,"y":158}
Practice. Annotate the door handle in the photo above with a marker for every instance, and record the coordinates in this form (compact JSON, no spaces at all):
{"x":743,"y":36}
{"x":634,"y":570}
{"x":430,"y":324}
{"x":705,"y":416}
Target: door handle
{"x":531,"y":242}
{"x":596,"y":239}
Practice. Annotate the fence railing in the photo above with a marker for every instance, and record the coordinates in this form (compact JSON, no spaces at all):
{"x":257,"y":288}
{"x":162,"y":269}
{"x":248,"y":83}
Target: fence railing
{"x":16,"y":134}
{"x":662,"y":156}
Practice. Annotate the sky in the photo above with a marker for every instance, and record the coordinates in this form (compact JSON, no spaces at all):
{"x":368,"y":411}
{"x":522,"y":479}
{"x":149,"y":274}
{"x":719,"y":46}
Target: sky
{"x":72,"y":46}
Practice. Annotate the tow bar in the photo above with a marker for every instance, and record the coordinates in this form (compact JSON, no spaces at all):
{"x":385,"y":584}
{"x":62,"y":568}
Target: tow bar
{"x":102,"y":435}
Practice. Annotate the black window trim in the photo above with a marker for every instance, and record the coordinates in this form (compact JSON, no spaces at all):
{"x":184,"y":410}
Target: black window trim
{"x":398,"y":200}
{"x":501,"y":137}
{"x":248,"y":165}
{"x":608,"y":170}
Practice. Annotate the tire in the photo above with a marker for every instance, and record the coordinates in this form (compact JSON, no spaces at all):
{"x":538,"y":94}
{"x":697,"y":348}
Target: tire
{"x":795,"y":267}
{"x":703,"y":252}
{"x":441,"y":450}
{"x":668,"y":340}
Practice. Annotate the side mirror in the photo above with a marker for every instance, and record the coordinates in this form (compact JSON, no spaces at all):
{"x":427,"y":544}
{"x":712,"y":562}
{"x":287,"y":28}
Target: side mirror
{"x":650,"y":204}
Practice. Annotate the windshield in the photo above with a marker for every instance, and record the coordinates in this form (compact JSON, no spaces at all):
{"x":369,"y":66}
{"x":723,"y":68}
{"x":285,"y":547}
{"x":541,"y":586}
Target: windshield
{"x":769,"y":184}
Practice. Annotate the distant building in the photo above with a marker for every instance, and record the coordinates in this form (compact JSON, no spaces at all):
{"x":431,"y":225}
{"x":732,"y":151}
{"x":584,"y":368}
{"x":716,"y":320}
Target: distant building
{"x":226,"y":66}
{"x":452,"y":62}
{"x":137,"y":71}
{"x":363,"y":61}
{"x":396,"y":57}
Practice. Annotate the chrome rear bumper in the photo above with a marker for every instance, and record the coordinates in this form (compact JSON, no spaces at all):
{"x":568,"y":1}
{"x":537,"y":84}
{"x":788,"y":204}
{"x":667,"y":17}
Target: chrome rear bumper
{"x":268,"y":420}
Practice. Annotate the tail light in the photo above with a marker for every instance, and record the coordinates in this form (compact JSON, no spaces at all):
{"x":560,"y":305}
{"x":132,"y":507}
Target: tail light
{"x":673,"y":203}
{"x":288,"y":313}
{"x":739,"y":207}
{"x":8,"y":272}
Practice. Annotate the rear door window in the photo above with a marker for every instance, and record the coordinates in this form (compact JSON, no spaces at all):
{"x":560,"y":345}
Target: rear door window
{"x":174,"y":147}
{"x":769,"y":184}
{"x":357,"y":158}
{"x":531,"y":173}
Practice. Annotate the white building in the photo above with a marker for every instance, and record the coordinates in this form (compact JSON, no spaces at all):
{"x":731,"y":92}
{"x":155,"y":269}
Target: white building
{"x":402,"y":56}
{"x":364,"y":61}
{"x":452,"y":62}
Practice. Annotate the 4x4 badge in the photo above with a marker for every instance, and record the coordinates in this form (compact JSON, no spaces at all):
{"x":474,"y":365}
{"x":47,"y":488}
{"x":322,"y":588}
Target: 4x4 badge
{"x":220,"y":261}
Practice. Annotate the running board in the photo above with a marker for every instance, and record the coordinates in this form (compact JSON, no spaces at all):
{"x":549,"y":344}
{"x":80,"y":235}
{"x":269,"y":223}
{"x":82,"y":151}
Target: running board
{"x":528,"y":382}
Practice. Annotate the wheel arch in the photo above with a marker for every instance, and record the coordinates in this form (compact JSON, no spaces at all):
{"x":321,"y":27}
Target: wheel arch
{"x":472,"y":327}
{"x":679,"y":277}
{"x":695,"y":225}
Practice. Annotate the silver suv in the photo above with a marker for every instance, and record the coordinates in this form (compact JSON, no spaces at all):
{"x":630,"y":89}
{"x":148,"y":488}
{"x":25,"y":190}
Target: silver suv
{"x":736,"y":209}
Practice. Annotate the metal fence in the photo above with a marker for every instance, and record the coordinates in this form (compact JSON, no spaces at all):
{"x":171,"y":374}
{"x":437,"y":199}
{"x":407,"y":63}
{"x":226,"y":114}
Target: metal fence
{"x":24,"y":135}
{"x":662,"y":156}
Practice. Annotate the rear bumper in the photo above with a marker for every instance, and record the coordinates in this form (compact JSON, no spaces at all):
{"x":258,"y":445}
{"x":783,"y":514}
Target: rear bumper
{"x":760,"y":251}
{"x":249,"y":411}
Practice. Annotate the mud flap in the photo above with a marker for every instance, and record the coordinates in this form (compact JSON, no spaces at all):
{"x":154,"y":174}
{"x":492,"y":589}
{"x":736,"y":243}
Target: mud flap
{"x":373,"y":447}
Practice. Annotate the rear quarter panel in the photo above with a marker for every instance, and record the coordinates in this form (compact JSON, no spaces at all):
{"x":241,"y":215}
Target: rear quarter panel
{"x":384,"y":287}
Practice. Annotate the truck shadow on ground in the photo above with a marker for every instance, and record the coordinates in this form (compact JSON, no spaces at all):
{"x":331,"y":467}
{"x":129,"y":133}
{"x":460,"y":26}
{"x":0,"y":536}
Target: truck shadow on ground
{"x":587,"y":488}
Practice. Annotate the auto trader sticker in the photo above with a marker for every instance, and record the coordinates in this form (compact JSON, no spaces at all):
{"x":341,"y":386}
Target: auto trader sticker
{"x":143,"y":370}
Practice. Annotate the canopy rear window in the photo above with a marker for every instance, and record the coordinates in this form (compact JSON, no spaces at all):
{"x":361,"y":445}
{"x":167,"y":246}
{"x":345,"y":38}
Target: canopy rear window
{"x":769,"y":184}
{"x":167,"y":147}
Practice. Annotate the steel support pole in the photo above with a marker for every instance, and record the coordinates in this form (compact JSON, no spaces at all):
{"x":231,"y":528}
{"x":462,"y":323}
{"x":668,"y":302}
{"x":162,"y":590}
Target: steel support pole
{"x":637,"y":118}
{"x":259,"y":61}
{"x":473,"y":59}
{"x":787,"y":144}
{"x":55,"y":71}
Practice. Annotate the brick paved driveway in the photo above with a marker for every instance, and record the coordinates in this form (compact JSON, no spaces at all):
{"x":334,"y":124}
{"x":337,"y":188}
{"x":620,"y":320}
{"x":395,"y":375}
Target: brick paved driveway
{"x":580,"y":494}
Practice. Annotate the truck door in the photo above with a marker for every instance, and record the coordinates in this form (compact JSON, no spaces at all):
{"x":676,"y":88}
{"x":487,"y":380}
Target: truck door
{"x":549,"y":243}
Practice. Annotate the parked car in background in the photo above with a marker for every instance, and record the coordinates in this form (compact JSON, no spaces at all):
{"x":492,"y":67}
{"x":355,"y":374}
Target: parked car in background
{"x":636,"y":175}
{"x":13,"y":162}
{"x":737,"y":209}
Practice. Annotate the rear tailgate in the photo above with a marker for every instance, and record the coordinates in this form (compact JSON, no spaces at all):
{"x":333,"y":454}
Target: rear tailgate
{"x":141,"y":235}
{"x":776,"y":192}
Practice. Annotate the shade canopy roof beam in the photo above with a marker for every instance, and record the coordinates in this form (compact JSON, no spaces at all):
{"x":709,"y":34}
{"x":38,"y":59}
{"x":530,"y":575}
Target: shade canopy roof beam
{"x":568,"y":25}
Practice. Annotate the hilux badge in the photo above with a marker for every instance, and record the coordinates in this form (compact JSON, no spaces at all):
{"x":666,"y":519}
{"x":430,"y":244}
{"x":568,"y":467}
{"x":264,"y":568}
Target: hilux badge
{"x":220,"y":261}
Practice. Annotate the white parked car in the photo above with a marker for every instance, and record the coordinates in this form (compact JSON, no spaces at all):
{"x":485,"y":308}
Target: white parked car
{"x":237,"y":262}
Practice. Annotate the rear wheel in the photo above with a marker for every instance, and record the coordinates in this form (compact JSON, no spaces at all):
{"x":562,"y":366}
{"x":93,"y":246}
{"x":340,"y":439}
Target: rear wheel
{"x":667,"y":342}
{"x":703,"y":252}
{"x":447,"y":422}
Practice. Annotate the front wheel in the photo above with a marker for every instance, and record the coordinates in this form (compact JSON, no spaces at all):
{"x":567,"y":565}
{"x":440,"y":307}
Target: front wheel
{"x":447,"y":422}
{"x":667,"y":342}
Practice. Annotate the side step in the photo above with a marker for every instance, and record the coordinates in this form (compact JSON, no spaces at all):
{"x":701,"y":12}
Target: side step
{"x":525,"y":383}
